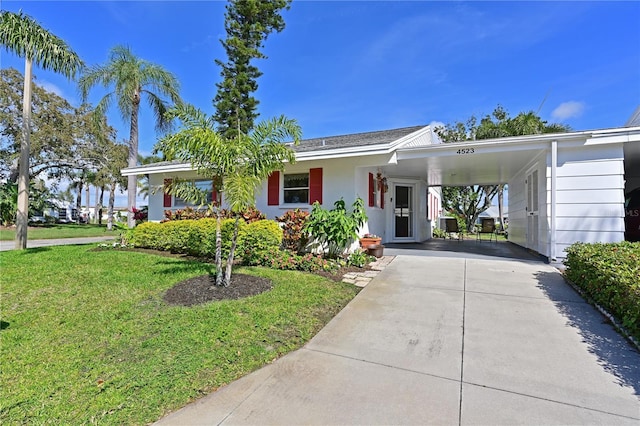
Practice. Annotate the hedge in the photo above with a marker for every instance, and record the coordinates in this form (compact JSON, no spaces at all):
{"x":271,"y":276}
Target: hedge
{"x":610,"y":275}
{"x":198,"y":237}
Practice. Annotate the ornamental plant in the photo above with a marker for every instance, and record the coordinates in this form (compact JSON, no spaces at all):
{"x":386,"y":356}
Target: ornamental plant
{"x":335,"y":230}
{"x":295,"y":238}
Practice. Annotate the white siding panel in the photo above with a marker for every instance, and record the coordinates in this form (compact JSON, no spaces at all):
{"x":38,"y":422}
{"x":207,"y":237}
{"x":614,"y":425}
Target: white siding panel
{"x":587,"y":182}
{"x":597,"y":196}
{"x":570,"y":237}
{"x":591,"y":168}
{"x":589,"y":210}
{"x":591,"y":224}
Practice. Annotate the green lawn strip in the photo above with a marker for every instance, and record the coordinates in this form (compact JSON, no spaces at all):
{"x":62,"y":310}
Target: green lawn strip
{"x":47,"y":232}
{"x":87,"y":337}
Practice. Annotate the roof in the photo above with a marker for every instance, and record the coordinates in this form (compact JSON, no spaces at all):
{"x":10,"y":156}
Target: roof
{"x":379,"y":137}
{"x":381,"y":141}
{"x":634,"y":120}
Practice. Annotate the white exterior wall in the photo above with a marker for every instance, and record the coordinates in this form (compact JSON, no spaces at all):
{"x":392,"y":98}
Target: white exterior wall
{"x":517,"y":202}
{"x":589,"y":196}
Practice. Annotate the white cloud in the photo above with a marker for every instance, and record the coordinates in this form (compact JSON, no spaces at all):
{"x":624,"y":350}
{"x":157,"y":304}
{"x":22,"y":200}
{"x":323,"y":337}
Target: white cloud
{"x":436,"y":124}
{"x":565,"y":110}
{"x":50,"y":87}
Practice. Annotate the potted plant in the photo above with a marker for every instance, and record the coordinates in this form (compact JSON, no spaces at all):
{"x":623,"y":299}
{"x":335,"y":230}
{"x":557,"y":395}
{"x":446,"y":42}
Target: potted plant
{"x":370,"y":240}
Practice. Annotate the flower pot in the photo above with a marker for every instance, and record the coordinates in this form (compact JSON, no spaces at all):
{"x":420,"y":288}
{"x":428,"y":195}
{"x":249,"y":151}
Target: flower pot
{"x":366,"y":242}
{"x":376,"y":250}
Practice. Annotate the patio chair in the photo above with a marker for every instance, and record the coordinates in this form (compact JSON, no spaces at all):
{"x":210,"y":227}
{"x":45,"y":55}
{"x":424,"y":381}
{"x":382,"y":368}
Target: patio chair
{"x":487,"y":226}
{"x":451,"y":227}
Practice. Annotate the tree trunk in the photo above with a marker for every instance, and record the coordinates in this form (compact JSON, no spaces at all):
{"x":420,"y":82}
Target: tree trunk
{"x":234,"y":242}
{"x":79,"y":201}
{"x":218,"y":248}
{"x":112,"y":202}
{"x":22,"y":215}
{"x":99,"y":200}
{"x":88,"y":201}
{"x":132,"y":180}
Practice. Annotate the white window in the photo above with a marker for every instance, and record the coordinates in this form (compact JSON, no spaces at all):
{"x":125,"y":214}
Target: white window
{"x":203,"y":185}
{"x":296,"y":188}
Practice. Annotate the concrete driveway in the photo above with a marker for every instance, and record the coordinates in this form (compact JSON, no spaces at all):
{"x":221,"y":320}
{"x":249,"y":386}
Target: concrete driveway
{"x":449,"y":341}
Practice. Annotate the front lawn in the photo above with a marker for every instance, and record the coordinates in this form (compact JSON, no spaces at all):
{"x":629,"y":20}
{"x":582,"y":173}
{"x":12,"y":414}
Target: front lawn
{"x":87,"y":337}
{"x":66,"y":230}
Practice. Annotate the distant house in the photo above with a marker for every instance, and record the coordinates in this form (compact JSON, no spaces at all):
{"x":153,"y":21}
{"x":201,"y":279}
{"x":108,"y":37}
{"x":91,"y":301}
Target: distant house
{"x":563,"y":188}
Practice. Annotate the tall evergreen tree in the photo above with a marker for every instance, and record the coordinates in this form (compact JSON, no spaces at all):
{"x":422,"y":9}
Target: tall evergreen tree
{"x":248,"y":24}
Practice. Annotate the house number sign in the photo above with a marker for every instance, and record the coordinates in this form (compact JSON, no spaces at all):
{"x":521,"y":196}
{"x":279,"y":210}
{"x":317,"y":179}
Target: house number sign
{"x":465,"y":151}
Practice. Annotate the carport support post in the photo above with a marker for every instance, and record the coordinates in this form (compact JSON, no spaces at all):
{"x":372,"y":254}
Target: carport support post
{"x":554,"y":167}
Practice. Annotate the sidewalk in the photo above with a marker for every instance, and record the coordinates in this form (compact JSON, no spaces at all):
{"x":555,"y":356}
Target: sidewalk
{"x":444,"y":340}
{"x":10,"y":245}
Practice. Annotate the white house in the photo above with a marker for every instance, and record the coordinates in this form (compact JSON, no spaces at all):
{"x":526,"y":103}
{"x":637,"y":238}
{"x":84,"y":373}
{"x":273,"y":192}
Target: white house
{"x":563,"y":188}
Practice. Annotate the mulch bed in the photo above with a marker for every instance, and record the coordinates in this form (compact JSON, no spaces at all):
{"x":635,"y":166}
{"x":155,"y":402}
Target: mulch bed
{"x":202,"y":289}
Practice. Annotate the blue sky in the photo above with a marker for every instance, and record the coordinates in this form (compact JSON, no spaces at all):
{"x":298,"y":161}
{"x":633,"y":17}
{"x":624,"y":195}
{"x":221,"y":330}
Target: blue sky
{"x":346,"y":67}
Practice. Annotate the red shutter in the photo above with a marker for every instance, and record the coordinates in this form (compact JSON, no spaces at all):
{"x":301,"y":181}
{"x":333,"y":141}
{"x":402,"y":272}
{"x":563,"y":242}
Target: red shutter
{"x":214,"y":193}
{"x":382,"y":196}
{"x":315,"y":185}
{"x":372,"y":188}
{"x":167,"y":196}
{"x":273,"y":189}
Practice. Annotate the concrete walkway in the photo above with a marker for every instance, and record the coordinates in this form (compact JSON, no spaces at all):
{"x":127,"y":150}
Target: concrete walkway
{"x":10,"y":245}
{"x":448,"y":341}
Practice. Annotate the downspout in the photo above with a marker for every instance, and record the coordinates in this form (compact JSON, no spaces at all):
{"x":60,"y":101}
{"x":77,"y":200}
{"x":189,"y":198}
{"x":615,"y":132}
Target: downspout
{"x":554,"y":167}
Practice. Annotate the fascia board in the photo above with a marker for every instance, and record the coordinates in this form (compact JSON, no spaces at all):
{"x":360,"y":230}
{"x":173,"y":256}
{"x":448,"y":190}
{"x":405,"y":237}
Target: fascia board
{"x":150,"y":170}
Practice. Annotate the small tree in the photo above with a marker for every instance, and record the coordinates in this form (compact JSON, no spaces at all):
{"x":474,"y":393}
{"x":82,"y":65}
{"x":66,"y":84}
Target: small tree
{"x":236,"y":166}
{"x":334,"y":230}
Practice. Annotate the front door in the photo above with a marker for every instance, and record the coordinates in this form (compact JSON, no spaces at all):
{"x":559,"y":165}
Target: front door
{"x":403,"y":212}
{"x":532,"y":209}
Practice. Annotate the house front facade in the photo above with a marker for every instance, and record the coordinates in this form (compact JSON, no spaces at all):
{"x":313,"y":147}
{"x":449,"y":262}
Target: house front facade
{"x":563,"y":188}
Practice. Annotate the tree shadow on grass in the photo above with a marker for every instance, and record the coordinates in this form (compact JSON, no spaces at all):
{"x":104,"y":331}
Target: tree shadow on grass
{"x":35,"y":250}
{"x":174,"y":266}
{"x":614,"y":353}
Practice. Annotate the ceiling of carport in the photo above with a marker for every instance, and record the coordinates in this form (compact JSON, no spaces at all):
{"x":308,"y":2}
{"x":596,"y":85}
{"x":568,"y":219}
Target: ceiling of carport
{"x":459,"y":165}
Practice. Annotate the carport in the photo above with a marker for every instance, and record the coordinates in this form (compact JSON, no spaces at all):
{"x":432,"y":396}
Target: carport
{"x":563,"y":187}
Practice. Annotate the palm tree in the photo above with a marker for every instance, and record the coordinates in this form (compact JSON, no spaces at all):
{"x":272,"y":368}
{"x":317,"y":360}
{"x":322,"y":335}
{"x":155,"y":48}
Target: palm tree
{"x":237,"y":166}
{"x":132,"y":79}
{"x":23,"y":36}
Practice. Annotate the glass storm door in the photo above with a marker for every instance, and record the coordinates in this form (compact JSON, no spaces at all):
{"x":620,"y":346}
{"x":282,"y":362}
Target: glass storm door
{"x":403,"y":212}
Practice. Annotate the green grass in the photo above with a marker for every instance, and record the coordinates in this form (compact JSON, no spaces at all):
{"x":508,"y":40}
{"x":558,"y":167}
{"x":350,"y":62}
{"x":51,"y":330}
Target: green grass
{"x":46,"y":232}
{"x":87,"y":338}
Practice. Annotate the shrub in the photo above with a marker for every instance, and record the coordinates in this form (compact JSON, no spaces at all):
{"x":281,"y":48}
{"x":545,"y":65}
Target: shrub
{"x":439,"y":233}
{"x":193,"y":237}
{"x":189,"y":213}
{"x":336,"y":229}
{"x":610,"y":275}
{"x":275,"y":258}
{"x":147,"y":235}
{"x":294,"y":236}
{"x":258,"y":238}
{"x":360,"y":258}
